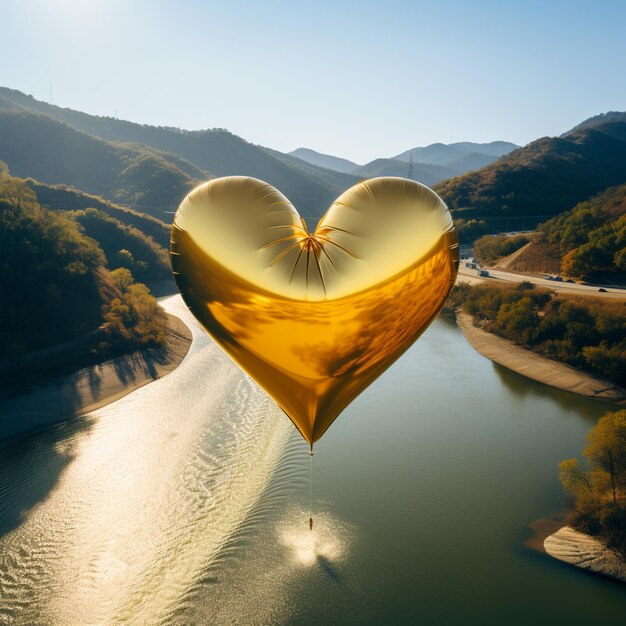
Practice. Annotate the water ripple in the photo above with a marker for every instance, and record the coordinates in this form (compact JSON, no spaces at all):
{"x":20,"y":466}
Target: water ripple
{"x":138,"y":502}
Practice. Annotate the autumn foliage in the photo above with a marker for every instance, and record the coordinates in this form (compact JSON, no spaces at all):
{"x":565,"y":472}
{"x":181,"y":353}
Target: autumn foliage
{"x":596,"y":494}
{"x":587,"y":333}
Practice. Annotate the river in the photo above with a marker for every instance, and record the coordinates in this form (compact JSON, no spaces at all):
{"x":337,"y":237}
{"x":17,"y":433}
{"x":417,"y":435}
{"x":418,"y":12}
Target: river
{"x":186,"y":502}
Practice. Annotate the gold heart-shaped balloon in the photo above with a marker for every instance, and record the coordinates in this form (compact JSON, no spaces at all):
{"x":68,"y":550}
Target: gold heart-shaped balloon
{"x":314,"y":318}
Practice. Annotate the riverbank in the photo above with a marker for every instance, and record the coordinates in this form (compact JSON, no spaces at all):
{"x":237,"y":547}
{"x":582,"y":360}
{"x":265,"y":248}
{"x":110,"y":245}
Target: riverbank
{"x":553,"y":537}
{"x":581,"y":550}
{"x":95,"y":386}
{"x":537,"y":367}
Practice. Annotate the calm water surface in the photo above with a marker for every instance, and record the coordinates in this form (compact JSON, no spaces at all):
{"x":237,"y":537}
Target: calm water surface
{"x":187,"y":502}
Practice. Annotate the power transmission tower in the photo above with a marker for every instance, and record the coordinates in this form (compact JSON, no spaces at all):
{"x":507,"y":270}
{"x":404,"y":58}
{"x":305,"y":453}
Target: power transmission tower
{"x":410,"y":176}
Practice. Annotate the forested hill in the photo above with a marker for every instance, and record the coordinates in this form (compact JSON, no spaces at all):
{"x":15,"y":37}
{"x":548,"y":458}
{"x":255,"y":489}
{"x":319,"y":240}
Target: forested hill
{"x":216,"y":151}
{"x":598,"y":120}
{"x":129,"y":239}
{"x":545,"y":177}
{"x":62,"y":278}
{"x":63,"y":198}
{"x":590,"y":240}
{"x":37,"y":146}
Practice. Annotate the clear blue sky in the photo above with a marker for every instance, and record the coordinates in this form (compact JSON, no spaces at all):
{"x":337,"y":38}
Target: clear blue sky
{"x":355,"y":79}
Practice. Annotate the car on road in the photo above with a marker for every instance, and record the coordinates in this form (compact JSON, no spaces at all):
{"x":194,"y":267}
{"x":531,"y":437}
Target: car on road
{"x":602,"y":290}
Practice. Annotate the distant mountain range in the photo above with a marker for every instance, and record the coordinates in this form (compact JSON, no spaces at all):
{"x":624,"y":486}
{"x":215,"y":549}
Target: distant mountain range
{"x":431,"y":164}
{"x":64,"y":156}
{"x":448,"y":154}
{"x":423,"y":172}
{"x":324,"y":160}
{"x":546,"y":177}
{"x":151,"y":168}
{"x":38,"y":146}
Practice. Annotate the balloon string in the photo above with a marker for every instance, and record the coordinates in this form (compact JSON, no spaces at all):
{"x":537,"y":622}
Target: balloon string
{"x":311,"y":489}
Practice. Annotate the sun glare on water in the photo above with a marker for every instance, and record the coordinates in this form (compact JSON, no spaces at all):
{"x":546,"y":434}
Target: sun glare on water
{"x":326,"y":544}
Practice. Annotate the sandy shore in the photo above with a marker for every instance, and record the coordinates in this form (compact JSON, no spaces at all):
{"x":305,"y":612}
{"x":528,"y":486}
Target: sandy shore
{"x":554,"y":538}
{"x":581,"y":550}
{"x":93,"y":387}
{"x":537,"y":367}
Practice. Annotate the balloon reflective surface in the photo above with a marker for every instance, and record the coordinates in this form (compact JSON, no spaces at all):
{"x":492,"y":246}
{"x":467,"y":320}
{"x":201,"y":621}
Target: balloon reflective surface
{"x":314,"y":318}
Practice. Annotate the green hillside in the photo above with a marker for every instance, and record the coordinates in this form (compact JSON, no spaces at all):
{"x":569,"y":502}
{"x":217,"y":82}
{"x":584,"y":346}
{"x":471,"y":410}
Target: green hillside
{"x":591,"y":238}
{"x":63,"y":198}
{"x":545,"y":177}
{"x":125,"y":246}
{"x":55,"y":287}
{"x":588,"y":242}
{"x":216,"y":151}
{"x":128,"y":238}
{"x":37,"y":146}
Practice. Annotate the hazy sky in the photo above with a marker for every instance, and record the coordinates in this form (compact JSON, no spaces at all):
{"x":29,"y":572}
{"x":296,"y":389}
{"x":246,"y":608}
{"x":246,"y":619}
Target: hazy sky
{"x":355,"y":79}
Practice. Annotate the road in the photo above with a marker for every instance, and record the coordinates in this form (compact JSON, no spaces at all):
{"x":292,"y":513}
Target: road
{"x":469,"y":275}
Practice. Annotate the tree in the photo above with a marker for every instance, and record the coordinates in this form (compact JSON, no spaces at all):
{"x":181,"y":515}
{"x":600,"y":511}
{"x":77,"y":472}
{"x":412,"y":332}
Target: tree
{"x":469,"y":230}
{"x":597,"y":497}
{"x":15,"y":194}
{"x":125,"y":258}
{"x":518,"y":319}
{"x":52,"y":289}
{"x":607,"y":449}
{"x":134,"y":316}
{"x":122,"y":278}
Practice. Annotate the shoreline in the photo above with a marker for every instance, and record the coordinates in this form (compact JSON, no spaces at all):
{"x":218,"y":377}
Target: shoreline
{"x":537,"y":367}
{"x":551,"y":536}
{"x":585,"y":552}
{"x":93,"y":387}
{"x":542,"y":529}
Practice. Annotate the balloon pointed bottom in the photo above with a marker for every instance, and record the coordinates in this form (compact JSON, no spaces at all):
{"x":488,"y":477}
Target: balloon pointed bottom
{"x":310,"y":523}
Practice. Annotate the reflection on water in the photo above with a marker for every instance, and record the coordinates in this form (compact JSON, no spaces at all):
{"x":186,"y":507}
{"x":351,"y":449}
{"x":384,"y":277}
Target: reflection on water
{"x":186,"y":502}
{"x":115,"y":519}
{"x":519,"y":386}
{"x":324,"y":545}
